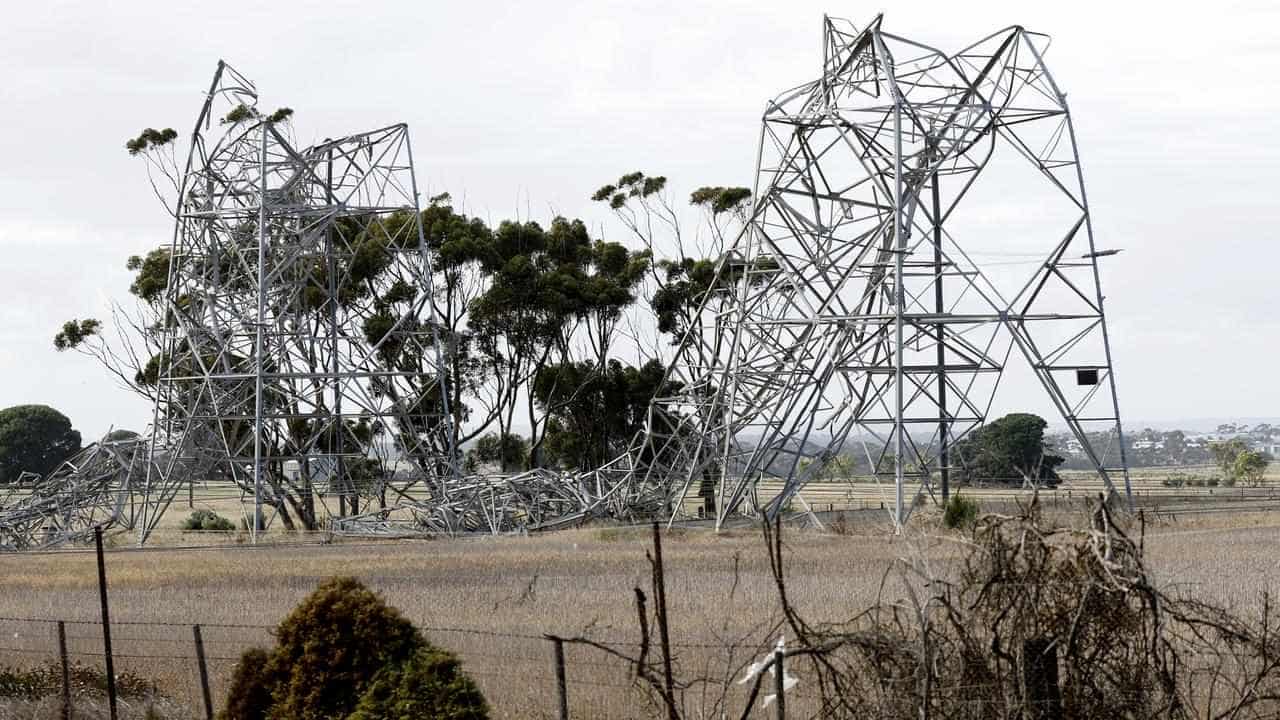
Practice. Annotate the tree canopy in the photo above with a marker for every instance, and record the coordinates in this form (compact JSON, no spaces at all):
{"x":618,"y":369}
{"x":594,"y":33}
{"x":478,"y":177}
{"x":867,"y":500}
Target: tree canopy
{"x":34,"y":438}
{"x":594,"y":412}
{"x":1238,"y":462}
{"x":1010,"y":449}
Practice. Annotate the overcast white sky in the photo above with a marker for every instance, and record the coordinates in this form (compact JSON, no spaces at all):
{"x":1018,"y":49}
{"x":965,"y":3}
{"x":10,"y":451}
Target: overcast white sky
{"x":534,"y":105}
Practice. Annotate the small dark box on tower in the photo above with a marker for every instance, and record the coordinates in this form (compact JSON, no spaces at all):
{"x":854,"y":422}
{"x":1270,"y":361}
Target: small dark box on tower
{"x":1086,"y":377}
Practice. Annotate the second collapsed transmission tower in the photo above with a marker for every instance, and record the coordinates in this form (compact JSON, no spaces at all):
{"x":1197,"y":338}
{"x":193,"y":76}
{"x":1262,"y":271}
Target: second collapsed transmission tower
{"x":861,"y":305}
{"x":300,"y":356}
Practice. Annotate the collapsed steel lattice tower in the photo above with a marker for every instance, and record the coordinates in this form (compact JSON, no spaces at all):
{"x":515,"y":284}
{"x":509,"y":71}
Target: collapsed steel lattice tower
{"x":861,"y":304}
{"x":300,"y":343}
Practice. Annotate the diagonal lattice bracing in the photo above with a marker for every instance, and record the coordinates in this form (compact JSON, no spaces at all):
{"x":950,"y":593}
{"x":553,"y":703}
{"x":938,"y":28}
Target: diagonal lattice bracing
{"x":301,"y":357}
{"x":860,"y":306}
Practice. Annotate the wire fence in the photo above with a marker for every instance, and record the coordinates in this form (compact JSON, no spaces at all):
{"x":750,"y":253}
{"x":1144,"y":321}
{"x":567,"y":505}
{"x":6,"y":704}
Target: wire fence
{"x":520,"y":674}
{"x":517,"y":672}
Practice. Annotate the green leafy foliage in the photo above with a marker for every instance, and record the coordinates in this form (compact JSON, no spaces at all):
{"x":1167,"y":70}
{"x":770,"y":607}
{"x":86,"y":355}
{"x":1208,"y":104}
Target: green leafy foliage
{"x":430,"y":685}
{"x":1238,"y":462}
{"x":34,"y":438}
{"x":75,"y":332}
{"x":249,"y":696}
{"x":720,"y":199}
{"x":1008,"y":450}
{"x":207,"y":520}
{"x":239,"y":114}
{"x":508,"y":451}
{"x":150,"y":139}
{"x":540,"y":282}
{"x":152,"y":274}
{"x":631,"y":185}
{"x":1225,"y":452}
{"x":331,"y":646}
{"x":330,"y":650}
{"x":960,"y":512}
{"x":242,"y":113}
{"x":1249,"y":467}
{"x":594,"y":411}
{"x":687,"y":282}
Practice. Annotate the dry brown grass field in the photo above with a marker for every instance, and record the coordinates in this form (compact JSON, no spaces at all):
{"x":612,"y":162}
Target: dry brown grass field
{"x":491,"y":599}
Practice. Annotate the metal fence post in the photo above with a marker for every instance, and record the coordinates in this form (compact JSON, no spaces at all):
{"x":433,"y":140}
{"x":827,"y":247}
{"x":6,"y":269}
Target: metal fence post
{"x":204,"y":673}
{"x":106,"y":624}
{"x":66,"y":671}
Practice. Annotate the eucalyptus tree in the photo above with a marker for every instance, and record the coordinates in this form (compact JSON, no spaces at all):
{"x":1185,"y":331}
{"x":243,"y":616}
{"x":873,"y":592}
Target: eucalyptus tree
{"x":685,"y":269}
{"x":547,"y":287}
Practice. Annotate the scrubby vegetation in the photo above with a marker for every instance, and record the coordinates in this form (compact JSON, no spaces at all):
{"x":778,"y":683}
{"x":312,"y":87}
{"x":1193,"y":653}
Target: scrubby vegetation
{"x":86,"y":681}
{"x":960,"y":512}
{"x":430,"y":684}
{"x":207,"y":520}
{"x":343,"y":651}
{"x":1041,"y":621}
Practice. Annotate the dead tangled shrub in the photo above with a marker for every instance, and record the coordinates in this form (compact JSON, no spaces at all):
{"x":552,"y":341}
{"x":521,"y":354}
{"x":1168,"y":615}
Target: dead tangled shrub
{"x":1041,"y":622}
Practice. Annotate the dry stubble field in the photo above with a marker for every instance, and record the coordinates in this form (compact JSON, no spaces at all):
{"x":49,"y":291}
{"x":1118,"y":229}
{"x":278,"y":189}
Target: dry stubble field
{"x":490,"y":600}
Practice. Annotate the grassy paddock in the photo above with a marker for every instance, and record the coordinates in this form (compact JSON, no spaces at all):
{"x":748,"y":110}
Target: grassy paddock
{"x":512,"y":590}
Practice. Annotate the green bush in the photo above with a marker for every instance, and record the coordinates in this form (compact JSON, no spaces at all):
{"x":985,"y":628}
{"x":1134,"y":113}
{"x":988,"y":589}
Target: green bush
{"x":250,"y":695}
{"x":328,"y":653}
{"x":331,"y":646}
{"x":960,"y":512}
{"x":428,"y":686}
{"x":207,"y":520}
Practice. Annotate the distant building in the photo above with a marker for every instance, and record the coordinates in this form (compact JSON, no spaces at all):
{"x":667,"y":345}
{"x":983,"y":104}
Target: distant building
{"x":1270,"y":447}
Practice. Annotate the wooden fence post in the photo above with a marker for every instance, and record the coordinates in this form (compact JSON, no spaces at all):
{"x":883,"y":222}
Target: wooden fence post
{"x":1040,"y":678}
{"x":204,"y":673}
{"x":66,"y":670}
{"x":106,"y":624}
{"x":562,"y":685}
{"x":779,"y":687}
{"x":660,"y":591}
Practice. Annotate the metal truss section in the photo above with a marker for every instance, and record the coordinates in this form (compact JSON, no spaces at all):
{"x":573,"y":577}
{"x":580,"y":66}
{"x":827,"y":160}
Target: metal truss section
{"x":534,"y":500}
{"x":871,"y":301}
{"x":301,"y":356}
{"x":94,"y":487}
